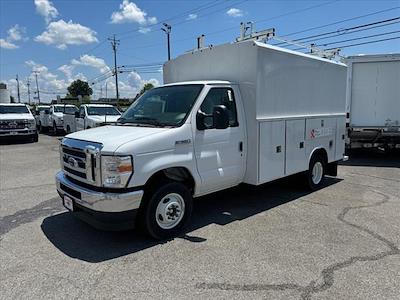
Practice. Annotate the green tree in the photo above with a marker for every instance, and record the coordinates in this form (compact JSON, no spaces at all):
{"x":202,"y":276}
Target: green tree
{"x":146,"y":87}
{"x":79,"y":87}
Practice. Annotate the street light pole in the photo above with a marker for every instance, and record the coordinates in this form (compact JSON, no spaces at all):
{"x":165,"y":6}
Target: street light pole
{"x":167,"y":30}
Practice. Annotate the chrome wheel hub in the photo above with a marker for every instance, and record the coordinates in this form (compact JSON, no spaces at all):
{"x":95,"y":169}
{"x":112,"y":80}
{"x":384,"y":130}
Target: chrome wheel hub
{"x":317,"y":172}
{"x":170,"y":211}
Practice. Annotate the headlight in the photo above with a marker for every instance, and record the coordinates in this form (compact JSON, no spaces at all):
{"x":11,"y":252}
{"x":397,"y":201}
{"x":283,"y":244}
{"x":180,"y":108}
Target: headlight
{"x":32,"y":123}
{"x":116,"y":170}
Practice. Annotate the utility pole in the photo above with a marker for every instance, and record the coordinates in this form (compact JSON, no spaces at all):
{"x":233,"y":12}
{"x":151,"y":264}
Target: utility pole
{"x":106,"y":91}
{"x":28,"y":84}
{"x":167,"y":30}
{"x":37,"y":85}
{"x":19,"y":97}
{"x":114,"y":44}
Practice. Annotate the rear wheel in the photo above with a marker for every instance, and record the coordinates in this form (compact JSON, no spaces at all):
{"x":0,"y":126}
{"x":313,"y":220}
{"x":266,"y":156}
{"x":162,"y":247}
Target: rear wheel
{"x":54,"y":128}
{"x":167,"y":210}
{"x":316,"y":172}
{"x":68,"y":129}
{"x":40,"y":127}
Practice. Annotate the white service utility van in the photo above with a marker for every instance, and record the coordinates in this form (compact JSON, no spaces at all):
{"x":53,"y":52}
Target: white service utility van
{"x":53,"y":118}
{"x":39,"y":109}
{"x":90,"y":116}
{"x":237,"y":113}
{"x":373,"y":101}
{"x":16,"y":120}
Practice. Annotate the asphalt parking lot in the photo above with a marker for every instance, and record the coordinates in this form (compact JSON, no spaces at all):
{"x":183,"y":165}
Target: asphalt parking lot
{"x":277,"y":241}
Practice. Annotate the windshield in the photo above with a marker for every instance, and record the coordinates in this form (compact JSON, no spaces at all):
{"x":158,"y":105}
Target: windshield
{"x":68,"y":109}
{"x":13,"y":109}
{"x":102,"y":110}
{"x":42,"y":108}
{"x":164,"y":106}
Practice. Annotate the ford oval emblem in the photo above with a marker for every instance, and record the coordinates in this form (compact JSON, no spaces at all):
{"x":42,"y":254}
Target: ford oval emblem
{"x":72,"y":162}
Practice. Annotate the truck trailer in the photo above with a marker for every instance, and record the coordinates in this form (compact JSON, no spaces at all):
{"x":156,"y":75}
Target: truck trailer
{"x":373,"y":101}
{"x":245,"y":112}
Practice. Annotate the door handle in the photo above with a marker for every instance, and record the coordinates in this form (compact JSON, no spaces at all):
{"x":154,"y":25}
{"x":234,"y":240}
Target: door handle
{"x":240,"y":146}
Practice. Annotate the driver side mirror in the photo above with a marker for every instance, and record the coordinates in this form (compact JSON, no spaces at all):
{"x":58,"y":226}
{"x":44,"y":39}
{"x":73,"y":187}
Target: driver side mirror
{"x":220,"y":118}
{"x":46,"y":111}
{"x":77,"y":114}
{"x":37,"y":113}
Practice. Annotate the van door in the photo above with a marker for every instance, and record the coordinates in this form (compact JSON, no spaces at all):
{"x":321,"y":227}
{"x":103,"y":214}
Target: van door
{"x":220,"y":156}
{"x":80,"y":122}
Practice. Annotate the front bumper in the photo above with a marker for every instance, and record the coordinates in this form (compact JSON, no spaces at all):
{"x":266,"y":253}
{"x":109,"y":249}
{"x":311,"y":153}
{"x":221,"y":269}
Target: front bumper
{"x":17,"y":132}
{"x":103,"y":210}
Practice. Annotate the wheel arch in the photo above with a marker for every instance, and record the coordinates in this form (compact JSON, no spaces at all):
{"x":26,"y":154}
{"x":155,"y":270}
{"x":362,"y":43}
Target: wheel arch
{"x":319,"y":151}
{"x":177,"y":174}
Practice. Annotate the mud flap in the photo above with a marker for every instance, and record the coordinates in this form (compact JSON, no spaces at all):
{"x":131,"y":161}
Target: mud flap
{"x":331,"y":169}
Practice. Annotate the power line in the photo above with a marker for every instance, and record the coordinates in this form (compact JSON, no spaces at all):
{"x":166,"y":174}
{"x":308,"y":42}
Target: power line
{"x":346,"y":29}
{"x":343,"y":21}
{"x":359,"y":38}
{"x":370,"y":42}
{"x":352,"y":39}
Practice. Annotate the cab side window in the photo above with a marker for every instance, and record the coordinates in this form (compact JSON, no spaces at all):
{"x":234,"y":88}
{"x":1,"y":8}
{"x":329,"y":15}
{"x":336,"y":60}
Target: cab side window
{"x":82,"y":112}
{"x":220,"y":96}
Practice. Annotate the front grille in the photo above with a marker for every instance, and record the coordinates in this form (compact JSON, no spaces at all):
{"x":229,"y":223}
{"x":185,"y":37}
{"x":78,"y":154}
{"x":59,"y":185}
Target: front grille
{"x":14,"y":124}
{"x":81,"y":160}
{"x":76,"y":173}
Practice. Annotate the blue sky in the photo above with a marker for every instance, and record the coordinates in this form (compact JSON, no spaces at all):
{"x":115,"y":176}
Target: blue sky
{"x":66,"y":40}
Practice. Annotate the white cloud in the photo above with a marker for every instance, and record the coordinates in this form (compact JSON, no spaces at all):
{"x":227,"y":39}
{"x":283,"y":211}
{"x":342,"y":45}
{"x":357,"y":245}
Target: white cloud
{"x":137,"y":82}
{"x":144,"y":30}
{"x":46,"y":9}
{"x":48,"y":81}
{"x":152,"y":20}
{"x":7,"y":45}
{"x":91,"y":61}
{"x":129,"y":12}
{"x":67,"y":70}
{"x":191,"y":17}
{"x":234,"y":12}
{"x":62,"y":34}
{"x":14,"y":34}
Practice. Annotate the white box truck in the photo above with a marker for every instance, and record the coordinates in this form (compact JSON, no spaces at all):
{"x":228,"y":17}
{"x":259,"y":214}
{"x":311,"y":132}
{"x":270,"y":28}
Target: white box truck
{"x":373,"y":101}
{"x":237,"y":113}
{"x":90,"y":116}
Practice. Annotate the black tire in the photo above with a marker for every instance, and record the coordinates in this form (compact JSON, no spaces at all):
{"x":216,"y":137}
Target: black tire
{"x":40,"y":127}
{"x":35,"y":138}
{"x":148,"y":220}
{"x":315,"y":182}
{"x":68,"y":129}
{"x":54,"y":128}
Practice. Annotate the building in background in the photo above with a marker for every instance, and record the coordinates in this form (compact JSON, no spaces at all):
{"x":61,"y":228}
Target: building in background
{"x":4,"y":93}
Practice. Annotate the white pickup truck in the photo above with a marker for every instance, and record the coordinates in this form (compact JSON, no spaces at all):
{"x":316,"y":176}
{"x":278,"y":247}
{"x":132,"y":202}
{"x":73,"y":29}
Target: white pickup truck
{"x":237,"y":113}
{"x":16,"y":120}
{"x":53,"y":118}
{"x":90,"y":116}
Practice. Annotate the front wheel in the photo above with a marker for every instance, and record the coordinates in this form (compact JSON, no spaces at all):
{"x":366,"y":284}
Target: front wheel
{"x":167,"y":210}
{"x":316,"y":172}
{"x":54,"y":128}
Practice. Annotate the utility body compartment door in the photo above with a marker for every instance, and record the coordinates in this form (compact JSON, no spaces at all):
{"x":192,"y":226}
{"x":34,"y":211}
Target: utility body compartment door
{"x":296,"y":160}
{"x":321,"y":133}
{"x":271,"y":150}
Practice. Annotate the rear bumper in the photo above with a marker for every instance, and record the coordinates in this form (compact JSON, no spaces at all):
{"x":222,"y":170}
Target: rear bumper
{"x":102,"y":210}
